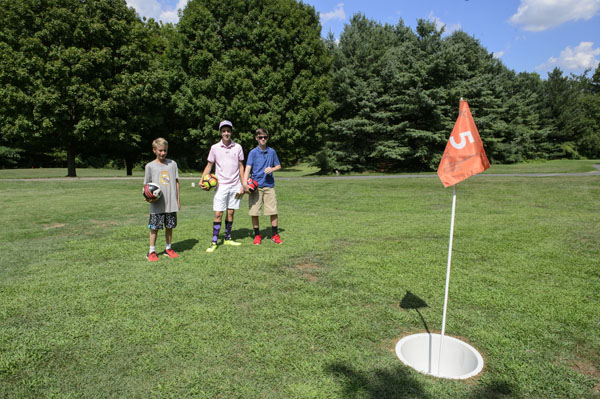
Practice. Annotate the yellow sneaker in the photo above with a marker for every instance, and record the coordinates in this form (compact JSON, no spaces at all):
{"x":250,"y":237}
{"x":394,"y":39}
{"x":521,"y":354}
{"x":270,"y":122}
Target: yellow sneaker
{"x":212,"y":247}
{"x":231,"y":242}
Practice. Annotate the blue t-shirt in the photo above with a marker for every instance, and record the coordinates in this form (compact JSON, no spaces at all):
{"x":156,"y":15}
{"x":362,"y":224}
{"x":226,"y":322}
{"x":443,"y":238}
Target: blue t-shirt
{"x":260,"y":160}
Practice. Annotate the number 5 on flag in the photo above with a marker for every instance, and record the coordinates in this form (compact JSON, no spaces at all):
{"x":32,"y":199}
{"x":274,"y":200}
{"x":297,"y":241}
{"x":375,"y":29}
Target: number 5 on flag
{"x":463,"y":142}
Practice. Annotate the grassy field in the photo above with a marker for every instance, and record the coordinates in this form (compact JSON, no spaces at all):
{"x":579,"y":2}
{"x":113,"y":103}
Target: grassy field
{"x":304,"y":170}
{"x":84,"y":315}
{"x":42,"y":173}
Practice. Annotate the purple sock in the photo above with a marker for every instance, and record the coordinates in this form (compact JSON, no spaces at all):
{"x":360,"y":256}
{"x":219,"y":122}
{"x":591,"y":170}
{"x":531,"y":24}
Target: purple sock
{"x":228,"y":226}
{"x":216,"y":230}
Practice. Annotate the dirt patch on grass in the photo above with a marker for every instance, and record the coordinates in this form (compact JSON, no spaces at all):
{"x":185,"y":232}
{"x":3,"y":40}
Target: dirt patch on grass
{"x":586,"y":367}
{"x":103,"y":223}
{"x":53,"y":226}
{"x":307,"y":269}
{"x":584,"y":360}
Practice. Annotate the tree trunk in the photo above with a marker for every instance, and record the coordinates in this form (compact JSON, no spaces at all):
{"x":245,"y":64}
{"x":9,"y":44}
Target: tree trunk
{"x":71,"y":172}
{"x":129,"y":165}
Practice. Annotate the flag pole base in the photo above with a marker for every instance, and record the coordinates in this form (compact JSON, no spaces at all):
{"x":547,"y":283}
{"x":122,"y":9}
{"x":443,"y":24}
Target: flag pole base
{"x":458,"y":360}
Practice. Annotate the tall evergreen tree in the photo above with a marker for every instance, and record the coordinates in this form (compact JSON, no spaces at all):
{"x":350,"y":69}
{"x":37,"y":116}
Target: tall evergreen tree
{"x":359,"y":118}
{"x":582,"y":115}
{"x":557,"y":97}
{"x":589,"y":143}
{"x":397,"y":93}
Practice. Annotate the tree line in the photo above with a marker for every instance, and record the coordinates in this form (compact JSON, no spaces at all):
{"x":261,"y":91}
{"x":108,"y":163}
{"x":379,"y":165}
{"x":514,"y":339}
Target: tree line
{"x":89,"y":83}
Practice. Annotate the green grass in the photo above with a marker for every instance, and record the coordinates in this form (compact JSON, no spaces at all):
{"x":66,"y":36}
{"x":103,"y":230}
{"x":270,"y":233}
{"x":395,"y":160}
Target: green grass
{"x":555,"y":166}
{"x":42,"y":173}
{"x":305,"y":170}
{"x":84,"y":315}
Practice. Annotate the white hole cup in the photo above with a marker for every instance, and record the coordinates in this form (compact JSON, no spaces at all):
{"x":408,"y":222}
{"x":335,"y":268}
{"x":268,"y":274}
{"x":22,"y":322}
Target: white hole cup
{"x":457,"y":360}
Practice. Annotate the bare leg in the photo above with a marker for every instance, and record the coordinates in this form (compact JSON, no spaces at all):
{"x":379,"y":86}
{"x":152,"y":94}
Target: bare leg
{"x":168,"y":235}
{"x":230,"y":213}
{"x":153,"y":234}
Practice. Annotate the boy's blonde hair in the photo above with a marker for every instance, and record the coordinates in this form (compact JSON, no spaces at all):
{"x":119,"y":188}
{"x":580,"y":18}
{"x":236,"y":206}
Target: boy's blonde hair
{"x":159,"y":142}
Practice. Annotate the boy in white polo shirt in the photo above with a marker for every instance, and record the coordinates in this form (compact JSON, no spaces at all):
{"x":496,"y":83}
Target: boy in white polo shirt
{"x":227,"y":157}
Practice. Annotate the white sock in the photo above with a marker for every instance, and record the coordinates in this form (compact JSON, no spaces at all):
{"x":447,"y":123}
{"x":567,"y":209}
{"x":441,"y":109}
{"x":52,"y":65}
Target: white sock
{"x":168,"y":246}
{"x":152,"y":249}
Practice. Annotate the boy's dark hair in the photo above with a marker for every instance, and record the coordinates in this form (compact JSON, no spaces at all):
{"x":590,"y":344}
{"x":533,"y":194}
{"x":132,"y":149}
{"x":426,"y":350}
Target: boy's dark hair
{"x":261,"y":130}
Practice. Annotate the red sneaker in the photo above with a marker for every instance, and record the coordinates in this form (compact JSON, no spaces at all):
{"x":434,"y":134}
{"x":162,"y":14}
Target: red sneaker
{"x":276,"y":239}
{"x":171,"y":254}
{"x":257,"y":240}
{"x":152,"y":257}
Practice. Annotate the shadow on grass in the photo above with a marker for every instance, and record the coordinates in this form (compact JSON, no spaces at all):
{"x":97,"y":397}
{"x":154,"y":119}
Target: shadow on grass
{"x":265,"y":232}
{"x":378,"y":384}
{"x":185,"y":245}
{"x":496,"y":390}
{"x":411,"y":301}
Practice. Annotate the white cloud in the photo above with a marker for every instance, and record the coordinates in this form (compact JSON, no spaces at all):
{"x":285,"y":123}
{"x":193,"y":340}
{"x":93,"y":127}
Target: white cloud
{"x":498,"y":54}
{"x":153,"y":9}
{"x":539,"y":15}
{"x":439,"y":24}
{"x":584,"y":56}
{"x":337,"y":13}
{"x":145,"y":8}
{"x":169,"y":16}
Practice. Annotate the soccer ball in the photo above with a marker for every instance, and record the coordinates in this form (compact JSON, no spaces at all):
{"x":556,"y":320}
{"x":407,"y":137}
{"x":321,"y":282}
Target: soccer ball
{"x":152,"y":192}
{"x":252,"y":184}
{"x":209,"y":181}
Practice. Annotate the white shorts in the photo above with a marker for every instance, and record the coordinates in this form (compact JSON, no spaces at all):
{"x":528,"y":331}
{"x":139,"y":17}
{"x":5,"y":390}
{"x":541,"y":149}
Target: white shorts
{"x":225,"y":198}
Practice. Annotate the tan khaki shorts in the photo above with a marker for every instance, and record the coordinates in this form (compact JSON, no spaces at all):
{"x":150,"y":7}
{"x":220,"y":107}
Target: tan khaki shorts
{"x":264,"y":195}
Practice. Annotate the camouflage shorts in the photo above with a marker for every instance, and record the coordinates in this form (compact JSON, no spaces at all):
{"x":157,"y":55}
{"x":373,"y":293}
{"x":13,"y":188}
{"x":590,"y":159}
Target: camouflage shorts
{"x":157,"y":220}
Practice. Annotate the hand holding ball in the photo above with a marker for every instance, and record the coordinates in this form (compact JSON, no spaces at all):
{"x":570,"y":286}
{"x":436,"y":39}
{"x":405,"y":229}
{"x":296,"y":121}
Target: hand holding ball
{"x":208,"y":181}
{"x":151,"y":192}
{"x":252,"y":185}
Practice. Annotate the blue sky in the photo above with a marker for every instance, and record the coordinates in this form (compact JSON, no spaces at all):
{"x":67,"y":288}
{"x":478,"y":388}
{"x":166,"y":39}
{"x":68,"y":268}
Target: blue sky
{"x":527,"y":35}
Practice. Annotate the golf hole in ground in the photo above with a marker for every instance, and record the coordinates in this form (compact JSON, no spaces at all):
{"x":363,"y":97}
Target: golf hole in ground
{"x":458,"y":360}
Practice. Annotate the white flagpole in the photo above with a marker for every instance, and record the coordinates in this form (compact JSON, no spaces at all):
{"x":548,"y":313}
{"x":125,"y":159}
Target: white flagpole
{"x":447,"y":275}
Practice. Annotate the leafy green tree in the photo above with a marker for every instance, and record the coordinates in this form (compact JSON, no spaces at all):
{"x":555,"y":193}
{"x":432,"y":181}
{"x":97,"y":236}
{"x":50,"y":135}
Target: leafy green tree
{"x":58,"y":62}
{"x":256,"y":63}
{"x":140,"y":93}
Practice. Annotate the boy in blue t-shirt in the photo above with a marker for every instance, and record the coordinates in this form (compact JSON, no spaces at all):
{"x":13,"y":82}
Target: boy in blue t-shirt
{"x":262,"y":162}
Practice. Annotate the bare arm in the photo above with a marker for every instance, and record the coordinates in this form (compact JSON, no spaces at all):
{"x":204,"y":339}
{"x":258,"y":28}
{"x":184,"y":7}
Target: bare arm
{"x":272,"y":169}
{"x":242,"y":176}
{"x":177,"y":185}
{"x":247,"y":173}
{"x":206,"y":171}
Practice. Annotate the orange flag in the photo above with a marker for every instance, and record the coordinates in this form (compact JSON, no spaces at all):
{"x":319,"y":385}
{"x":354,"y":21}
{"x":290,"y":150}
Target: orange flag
{"x":464,"y":155}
